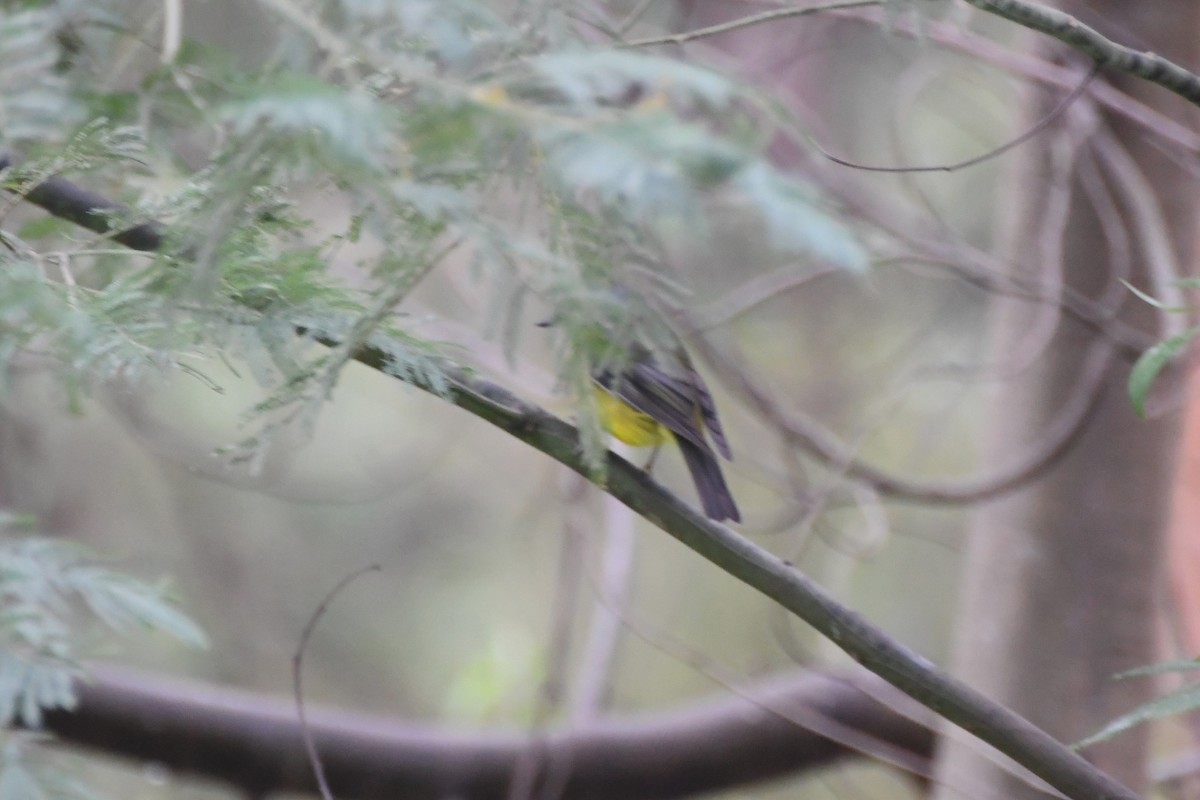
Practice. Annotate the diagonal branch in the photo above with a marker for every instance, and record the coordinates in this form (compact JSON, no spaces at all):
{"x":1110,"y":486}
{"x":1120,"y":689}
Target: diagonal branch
{"x":991,"y":722}
{"x":1027,"y":65}
{"x":1102,"y":50}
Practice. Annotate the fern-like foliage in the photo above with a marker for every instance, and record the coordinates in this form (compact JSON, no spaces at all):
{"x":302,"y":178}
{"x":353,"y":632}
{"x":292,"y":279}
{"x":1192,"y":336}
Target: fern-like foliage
{"x":37,"y":103}
{"x":49,"y":592}
{"x":441,"y":128}
{"x":58,"y":603}
{"x":557,"y":166}
{"x":55,"y":599}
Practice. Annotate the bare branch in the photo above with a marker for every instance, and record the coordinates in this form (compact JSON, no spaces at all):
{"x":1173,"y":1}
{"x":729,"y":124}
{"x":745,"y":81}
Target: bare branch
{"x":994,"y":152}
{"x":821,"y":443}
{"x":310,"y":747}
{"x":749,"y":21}
{"x":1143,"y":206}
{"x":1152,"y":121}
{"x":88,"y":209}
{"x":633,"y":16}
{"x":1105,"y":52}
{"x":254,"y":742}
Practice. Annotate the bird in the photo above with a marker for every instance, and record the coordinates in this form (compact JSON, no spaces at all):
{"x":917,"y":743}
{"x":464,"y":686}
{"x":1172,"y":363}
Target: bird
{"x":651,"y":397}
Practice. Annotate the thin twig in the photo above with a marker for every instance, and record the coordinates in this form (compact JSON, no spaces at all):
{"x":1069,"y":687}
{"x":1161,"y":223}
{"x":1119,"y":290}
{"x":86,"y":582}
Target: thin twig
{"x":1144,"y":208}
{"x":1026,"y":65}
{"x":1053,"y":214}
{"x":633,"y":16}
{"x":530,"y":770}
{"x":808,"y":719}
{"x":310,"y":746}
{"x":1033,"y":131}
{"x":594,"y":679}
{"x":748,"y":22}
{"x":1105,"y":52}
{"x":1113,"y":226}
{"x":809,"y":435}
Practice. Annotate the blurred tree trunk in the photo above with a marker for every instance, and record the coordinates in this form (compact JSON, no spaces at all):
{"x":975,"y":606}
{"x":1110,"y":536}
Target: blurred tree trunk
{"x":1061,"y":577}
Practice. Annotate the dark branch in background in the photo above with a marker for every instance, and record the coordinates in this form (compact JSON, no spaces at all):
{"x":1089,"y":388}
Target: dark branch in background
{"x":822,"y":444}
{"x":1105,"y":52}
{"x":993,"y":723}
{"x":255,"y":743}
{"x":88,"y":209}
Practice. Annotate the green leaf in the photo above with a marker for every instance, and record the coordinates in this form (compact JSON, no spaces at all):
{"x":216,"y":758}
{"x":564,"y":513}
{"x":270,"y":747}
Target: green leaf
{"x":349,"y":125}
{"x":454,"y":29}
{"x":1179,"y":701}
{"x":121,"y":601}
{"x":1151,"y":363}
{"x":587,"y":79}
{"x":29,"y":686}
{"x":121,"y":106}
{"x":795,"y":220}
{"x":647,"y":164}
{"x":36,"y":104}
{"x":1161,"y":668}
{"x":42,"y":582}
{"x":42,"y":227}
{"x":1154,"y":301}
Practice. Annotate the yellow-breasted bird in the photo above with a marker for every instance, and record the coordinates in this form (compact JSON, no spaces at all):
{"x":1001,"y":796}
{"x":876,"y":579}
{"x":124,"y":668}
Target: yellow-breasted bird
{"x":656,"y":396}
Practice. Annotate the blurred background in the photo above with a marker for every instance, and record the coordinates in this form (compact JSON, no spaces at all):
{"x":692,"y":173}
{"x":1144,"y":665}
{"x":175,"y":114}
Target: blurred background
{"x":501,"y":571}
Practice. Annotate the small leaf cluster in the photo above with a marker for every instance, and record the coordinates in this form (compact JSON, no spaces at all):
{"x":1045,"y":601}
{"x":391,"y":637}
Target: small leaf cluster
{"x":48,"y":590}
{"x":54,"y":600}
{"x":1179,"y":701}
{"x":37,"y":103}
{"x":1152,"y":362}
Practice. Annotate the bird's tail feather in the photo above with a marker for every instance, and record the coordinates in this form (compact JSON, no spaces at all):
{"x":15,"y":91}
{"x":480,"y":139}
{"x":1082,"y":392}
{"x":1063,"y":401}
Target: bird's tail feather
{"x":715,"y":497}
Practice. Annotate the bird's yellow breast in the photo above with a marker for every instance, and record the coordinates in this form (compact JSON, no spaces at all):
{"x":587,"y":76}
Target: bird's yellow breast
{"x":627,"y":423}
